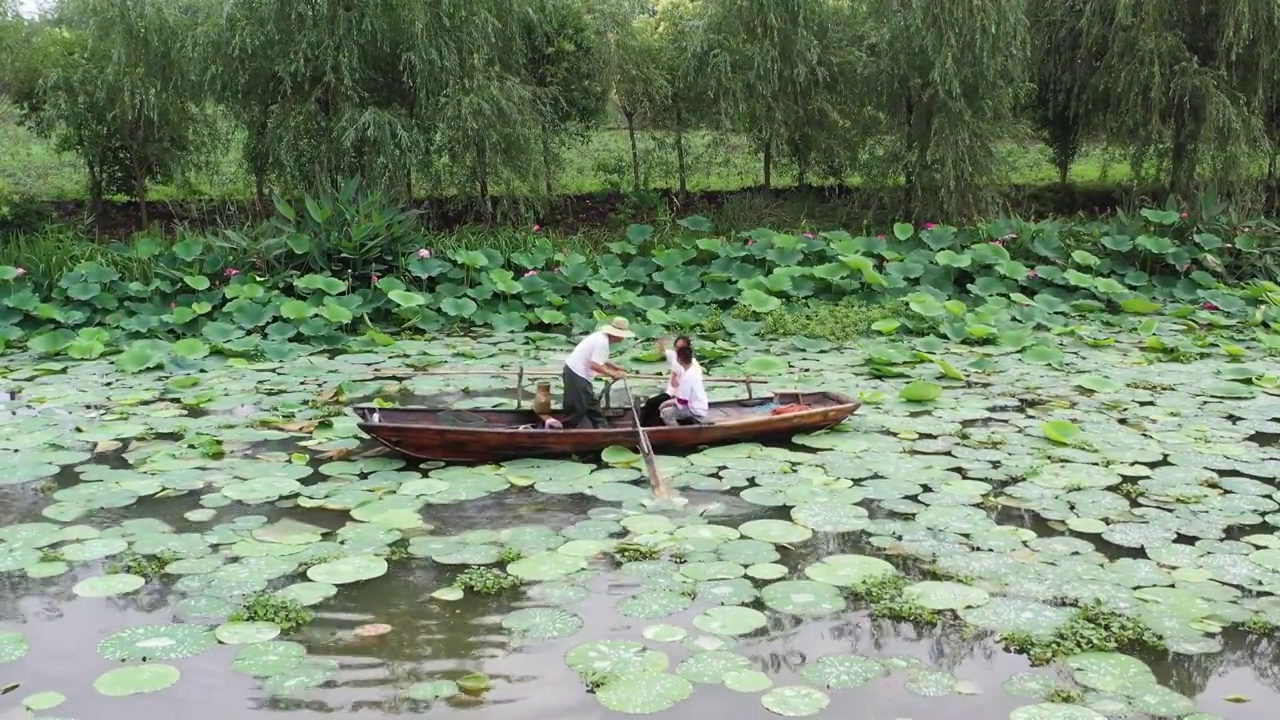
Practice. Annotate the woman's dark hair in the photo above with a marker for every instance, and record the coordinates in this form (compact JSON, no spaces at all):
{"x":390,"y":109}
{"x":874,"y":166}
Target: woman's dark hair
{"x":685,"y":340}
{"x":684,"y":354}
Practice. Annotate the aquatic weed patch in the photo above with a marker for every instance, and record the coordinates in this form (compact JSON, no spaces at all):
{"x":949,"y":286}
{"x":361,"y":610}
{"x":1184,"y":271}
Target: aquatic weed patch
{"x":289,"y":615}
{"x":1091,"y":628}
{"x":485,"y":581}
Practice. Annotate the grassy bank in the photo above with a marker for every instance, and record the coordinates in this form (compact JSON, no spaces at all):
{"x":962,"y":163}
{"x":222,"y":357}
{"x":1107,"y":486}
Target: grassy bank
{"x":32,"y":167}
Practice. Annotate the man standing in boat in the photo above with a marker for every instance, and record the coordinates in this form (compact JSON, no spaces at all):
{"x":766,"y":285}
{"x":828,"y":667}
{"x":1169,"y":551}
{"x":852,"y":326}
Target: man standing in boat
{"x":589,"y":358}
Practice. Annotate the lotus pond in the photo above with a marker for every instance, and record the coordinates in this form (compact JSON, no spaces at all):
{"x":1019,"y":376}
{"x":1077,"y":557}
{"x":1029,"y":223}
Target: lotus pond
{"x":218,"y":539}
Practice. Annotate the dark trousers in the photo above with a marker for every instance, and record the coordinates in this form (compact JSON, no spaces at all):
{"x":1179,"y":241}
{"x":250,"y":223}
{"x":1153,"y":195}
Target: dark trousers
{"x":649,"y":416}
{"x":580,"y":402}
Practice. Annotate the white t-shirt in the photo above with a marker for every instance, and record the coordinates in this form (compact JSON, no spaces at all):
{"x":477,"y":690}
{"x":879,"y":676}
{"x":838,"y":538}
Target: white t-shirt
{"x":691,"y":389}
{"x":676,"y":371}
{"x":593,"y":348}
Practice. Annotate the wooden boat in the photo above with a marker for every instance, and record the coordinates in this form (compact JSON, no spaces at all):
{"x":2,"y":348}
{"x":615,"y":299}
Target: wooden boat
{"x":489,"y":435}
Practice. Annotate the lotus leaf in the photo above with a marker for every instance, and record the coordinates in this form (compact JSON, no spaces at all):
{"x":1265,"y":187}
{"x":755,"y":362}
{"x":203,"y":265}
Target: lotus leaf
{"x":137,"y":679}
{"x":644,"y":693}
{"x":794,"y":701}
{"x":156,"y":642}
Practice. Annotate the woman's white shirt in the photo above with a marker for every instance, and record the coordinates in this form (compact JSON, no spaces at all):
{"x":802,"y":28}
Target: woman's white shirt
{"x":676,"y":371}
{"x":692,"y":391}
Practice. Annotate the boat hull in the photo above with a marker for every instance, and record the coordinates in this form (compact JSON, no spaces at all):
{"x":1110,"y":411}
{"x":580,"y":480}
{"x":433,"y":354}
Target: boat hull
{"x":417,"y":434}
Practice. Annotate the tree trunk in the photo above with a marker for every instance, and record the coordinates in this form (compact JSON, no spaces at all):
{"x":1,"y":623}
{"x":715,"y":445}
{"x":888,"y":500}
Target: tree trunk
{"x":95,"y":189}
{"x":635,"y":151}
{"x":682,"y":173}
{"x":139,"y":185}
{"x":546,"y":159}
{"x":1182,"y":164}
{"x":1271,"y":178}
{"x":408,"y":182}
{"x":1064,"y":168}
{"x":482,"y":174}
{"x":260,"y":192}
{"x":768,"y":163}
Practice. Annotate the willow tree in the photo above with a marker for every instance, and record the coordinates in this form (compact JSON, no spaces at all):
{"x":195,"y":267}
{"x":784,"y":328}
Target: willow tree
{"x":11,"y":31}
{"x":114,"y":90}
{"x":1186,"y":80}
{"x":562,"y":63}
{"x":465,"y":59}
{"x":785,"y":71}
{"x":1064,"y":68}
{"x":242,"y":53}
{"x":630,"y":50}
{"x":947,"y":76}
{"x":309,"y":80}
{"x":679,"y":101}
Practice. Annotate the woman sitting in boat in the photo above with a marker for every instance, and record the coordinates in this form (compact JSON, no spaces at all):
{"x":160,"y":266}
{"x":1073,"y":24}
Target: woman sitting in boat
{"x":690,"y":405}
{"x":591,"y":356}
{"x":649,"y":416}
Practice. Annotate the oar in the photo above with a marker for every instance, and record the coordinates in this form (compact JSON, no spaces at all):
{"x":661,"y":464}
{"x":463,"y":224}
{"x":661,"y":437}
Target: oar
{"x":646,"y":450}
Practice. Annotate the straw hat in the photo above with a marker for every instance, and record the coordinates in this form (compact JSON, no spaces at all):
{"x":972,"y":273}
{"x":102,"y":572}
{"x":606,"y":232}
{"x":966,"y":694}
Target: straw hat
{"x":617,"y":327}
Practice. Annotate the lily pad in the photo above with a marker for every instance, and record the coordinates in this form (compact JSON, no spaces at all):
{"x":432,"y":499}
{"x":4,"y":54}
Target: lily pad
{"x":348,"y":570}
{"x":944,"y":595}
{"x":12,"y":646}
{"x":795,"y":701}
{"x":747,"y":681}
{"x":775,"y":531}
{"x":432,"y":690}
{"x":806,"y":598}
{"x":546,"y":566}
{"x":137,"y":679}
{"x":243,"y":633}
{"x":264,"y":659}
{"x":644,"y":693}
{"x":710,"y":666}
{"x":108,"y":585}
{"x":157,"y":642}
{"x":840,"y":672}
{"x":542,"y":623}
{"x":849,"y":570}
{"x":730,"y":620}
{"x":614,"y":658}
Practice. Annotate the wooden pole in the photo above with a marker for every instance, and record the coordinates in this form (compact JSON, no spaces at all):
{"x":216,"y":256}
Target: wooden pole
{"x":520,"y":388}
{"x":646,"y":450}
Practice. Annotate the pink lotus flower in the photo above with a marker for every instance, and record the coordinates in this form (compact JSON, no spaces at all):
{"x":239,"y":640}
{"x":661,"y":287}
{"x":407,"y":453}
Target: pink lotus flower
{"x":557,"y":269}
{"x":1208,"y":306}
{"x":537,"y":227}
{"x":1032,"y":274}
{"x":880,"y":236}
{"x":373,"y":279}
{"x":1184,"y":216}
{"x":929,"y":226}
{"x":750,"y":243}
{"x":20,"y":271}
{"x":230,"y":272}
{"x":809,"y":235}
{"x":173,"y":305}
{"x":531,"y":273}
{"x":424,"y":253}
